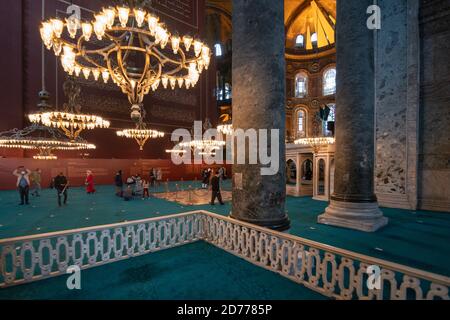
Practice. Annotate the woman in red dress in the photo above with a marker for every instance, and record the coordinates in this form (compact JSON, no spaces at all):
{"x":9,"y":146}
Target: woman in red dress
{"x":90,"y":189}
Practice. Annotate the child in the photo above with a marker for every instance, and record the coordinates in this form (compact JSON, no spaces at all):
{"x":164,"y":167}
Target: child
{"x":146,"y":186}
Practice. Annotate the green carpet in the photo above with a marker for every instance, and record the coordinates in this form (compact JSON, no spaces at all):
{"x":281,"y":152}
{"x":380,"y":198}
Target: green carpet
{"x":415,"y":238}
{"x":192,"y":272}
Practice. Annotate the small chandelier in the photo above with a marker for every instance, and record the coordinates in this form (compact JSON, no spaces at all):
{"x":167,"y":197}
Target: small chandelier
{"x":45,"y":154}
{"x":204,"y":146}
{"x":315,"y":143}
{"x":141,"y":134}
{"x":45,"y":140}
{"x":226,"y":129}
{"x":70,"y":121}
{"x":105,"y":48}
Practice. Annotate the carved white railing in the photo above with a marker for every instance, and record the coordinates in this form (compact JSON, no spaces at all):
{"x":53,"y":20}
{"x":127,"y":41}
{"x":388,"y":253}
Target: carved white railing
{"x":331,"y":271}
{"x":32,"y":258}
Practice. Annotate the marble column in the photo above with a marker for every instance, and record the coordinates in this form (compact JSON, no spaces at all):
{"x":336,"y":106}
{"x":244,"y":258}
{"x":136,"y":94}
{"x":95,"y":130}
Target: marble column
{"x":259,"y":103}
{"x":354,"y":204}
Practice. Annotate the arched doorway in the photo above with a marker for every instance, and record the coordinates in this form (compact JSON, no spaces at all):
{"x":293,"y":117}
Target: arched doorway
{"x":321,"y":178}
{"x":307,"y":171}
{"x":291,"y":172}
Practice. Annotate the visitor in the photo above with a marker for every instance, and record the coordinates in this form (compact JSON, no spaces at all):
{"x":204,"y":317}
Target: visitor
{"x":61,"y":184}
{"x":35,"y":179}
{"x":128,"y":193}
{"x":152,"y":177}
{"x":138,"y":189}
{"x":90,"y":189}
{"x":159,"y":176}
{"x":215,"y":186}
{"x":23,"y":183}
{"x":118,"y":181}
{"x":206,"y":175}
{"x":146,"y":186}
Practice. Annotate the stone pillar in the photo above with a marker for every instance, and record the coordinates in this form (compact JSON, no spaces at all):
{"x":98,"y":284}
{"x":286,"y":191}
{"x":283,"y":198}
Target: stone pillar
{"x":354,"y":204}
{"x":259,"y":103}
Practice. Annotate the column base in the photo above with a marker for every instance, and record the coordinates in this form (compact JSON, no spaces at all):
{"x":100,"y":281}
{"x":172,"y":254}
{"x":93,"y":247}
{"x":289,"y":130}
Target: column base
{"x":362,"y":216}
{"x":281,"y":225}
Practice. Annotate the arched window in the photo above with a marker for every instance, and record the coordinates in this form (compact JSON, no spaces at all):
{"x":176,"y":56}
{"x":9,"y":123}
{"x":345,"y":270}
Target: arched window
{"x":218,"y":49}
{"x":328,"y":124}
{"x":301,"y":123}
{"x":301,"y":85}
{"x":314,"y":38}
{"x":329,"y":82}
{"x":300,"y":41}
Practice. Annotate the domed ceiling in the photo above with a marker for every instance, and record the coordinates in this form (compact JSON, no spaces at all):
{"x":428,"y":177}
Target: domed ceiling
{"x":308,"y":18}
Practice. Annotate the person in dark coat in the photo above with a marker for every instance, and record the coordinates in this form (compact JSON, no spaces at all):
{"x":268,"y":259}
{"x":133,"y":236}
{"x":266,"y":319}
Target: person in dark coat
{"x":215,"y":186}
{"x":118,"y":181}
{"x":61,"y":185}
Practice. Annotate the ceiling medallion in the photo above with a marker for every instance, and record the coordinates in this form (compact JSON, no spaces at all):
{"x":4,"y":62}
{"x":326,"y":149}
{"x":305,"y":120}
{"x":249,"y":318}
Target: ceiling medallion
{"x":130,"y":46}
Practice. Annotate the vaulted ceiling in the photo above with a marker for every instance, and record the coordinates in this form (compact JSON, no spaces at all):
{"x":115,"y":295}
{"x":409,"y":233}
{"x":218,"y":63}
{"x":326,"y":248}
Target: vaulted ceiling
{"x":302,"y":17}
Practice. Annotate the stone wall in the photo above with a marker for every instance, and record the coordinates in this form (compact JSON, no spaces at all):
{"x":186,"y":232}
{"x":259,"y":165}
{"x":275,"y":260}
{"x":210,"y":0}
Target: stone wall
{"x":391,"y":104}
{"x":434,"y":156}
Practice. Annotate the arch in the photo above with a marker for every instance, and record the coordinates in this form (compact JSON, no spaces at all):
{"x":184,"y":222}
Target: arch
{"x":329,"y":81}
{"x":307,"y":170}
{"x":300,"y":41}
{"x":291,"y":172}
{"x":301,"y":84}
{"x":218,"y":50}
{"x":321,"y":171}
{"x":301,"y":122}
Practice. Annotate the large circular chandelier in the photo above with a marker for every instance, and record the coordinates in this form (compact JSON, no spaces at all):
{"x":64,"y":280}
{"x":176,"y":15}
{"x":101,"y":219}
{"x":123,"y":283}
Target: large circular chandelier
{"x":44,"y":140}
{"x":71,"y":124}
{"x":70,"y":121}
{"x":132,"y":47}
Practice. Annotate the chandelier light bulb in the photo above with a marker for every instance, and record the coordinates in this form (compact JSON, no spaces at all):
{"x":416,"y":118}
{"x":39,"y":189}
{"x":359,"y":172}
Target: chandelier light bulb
{"x":198,"y":47}
{"x":86,"y":73}
{"x":187,"y":41}
{"x":47,"y":34}
{"x":99,"y":28}
{"x":139,"y":15}
{"x":110,"y":14}
{"x":72,"y":26}
{"x":152,"y":21}
{"x":77,"y":70}
{"x":57,"y":48}
{"x":180,"y":82}
{"x":58,"y":27}
{"x":173,"y":83}
{"x":207,"y":60}
{"x":105,"y":76}
{"x":87,"y":30}
{"x":155,"y":85}
{"x":200,"y":65}
{"x":165,"y":82}
{"x":187,"y":82}
{"x":175,"y":43}
{"x":124,"y":14}
{"x":96,"y":74}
